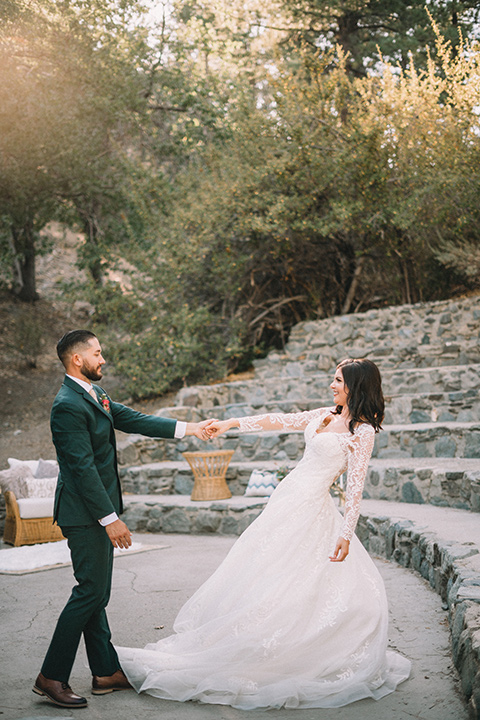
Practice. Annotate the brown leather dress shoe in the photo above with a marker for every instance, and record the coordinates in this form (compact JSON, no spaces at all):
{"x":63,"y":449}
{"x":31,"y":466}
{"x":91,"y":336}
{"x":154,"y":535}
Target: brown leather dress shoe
{"x":57,"y":692}
{"x":109,"y":683}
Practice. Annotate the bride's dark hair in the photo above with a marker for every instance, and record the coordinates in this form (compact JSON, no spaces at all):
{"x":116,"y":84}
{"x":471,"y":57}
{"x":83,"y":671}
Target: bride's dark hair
{"x":365,"y":397}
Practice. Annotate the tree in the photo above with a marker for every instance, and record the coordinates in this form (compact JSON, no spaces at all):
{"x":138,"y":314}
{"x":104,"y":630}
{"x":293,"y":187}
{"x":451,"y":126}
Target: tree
{"x":71,"y":92}
{"x":392,"y":30}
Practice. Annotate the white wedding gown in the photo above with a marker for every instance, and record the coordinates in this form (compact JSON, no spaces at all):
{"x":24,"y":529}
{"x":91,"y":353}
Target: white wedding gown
{"x":278,"y":624}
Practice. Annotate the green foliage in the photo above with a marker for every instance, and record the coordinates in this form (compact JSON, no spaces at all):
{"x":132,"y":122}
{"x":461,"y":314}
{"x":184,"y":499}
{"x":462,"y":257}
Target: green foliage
{"x":399,"y":32}
{"x":157,"y":344}
{"x":243,"y":167}
{"x":336,"y":194}
{"x":70,"y":99}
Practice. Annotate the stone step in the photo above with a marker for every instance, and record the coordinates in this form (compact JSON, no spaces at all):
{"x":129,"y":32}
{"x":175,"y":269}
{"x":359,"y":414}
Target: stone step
{"x":441,"y":440}
{"x":462,"y":406}
{"x":391,"y":356}
{"x":457,"y":318}
{"x":249,"y":447}
{"x":179,"y":514}
{"x":410,"y":335}
{"x":298,"y":387}
{"x":459,"y":406}
{"x":450,"y":439}
{"x":170,"y":477}
{"x":447,"y":482}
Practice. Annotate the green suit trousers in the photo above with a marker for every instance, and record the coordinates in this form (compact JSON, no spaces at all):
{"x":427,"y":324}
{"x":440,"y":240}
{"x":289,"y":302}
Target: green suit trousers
{"x":84,"y":613}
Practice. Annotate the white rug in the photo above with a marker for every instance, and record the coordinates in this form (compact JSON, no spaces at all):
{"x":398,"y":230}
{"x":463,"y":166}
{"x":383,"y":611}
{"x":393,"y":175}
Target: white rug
{"x":45,"y":556}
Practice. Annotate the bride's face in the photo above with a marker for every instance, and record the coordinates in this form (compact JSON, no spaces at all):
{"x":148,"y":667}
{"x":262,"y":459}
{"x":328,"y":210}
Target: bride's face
{"x":339,"y":388}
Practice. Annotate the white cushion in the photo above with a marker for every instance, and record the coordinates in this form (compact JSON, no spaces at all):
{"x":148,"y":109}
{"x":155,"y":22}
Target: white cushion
{"x":32,"y":465}
{"x":261,"y":483}
{"x":21,"y":482}
{"x":16,"y":479}
{"x":35,"y":507}
{"x":41,"y":487}
{"x":46,"y":469}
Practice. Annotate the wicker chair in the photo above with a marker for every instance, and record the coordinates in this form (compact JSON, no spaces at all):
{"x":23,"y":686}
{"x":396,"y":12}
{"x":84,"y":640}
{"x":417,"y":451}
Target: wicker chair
{"x":27,"y":531}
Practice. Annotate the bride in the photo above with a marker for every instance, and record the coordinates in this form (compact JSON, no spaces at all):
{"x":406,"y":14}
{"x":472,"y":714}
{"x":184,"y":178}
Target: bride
{"x":296,"y":615}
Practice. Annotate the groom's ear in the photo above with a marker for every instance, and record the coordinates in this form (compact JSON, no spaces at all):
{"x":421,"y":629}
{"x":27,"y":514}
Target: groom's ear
{"x":75,"y":359}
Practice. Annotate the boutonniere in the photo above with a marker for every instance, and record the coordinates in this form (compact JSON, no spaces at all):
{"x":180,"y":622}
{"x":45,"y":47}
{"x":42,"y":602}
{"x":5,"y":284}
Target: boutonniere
{"x":105,"y":402}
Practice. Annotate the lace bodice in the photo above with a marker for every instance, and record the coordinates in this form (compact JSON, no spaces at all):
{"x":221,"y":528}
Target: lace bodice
{"x":357,"y":448}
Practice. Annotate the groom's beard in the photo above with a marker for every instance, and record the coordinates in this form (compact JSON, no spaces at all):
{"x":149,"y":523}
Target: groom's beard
{"x":93,"y":374}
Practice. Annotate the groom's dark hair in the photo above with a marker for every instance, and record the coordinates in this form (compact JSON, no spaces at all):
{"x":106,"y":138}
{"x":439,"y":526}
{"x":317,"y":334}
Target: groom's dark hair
{"x":70,"y":340}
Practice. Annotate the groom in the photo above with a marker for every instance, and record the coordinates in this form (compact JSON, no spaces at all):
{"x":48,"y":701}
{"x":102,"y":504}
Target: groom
{"x":88,"y":502}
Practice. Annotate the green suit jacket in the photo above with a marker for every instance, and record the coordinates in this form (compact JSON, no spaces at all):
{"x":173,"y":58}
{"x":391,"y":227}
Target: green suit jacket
{"x":88,"y":485}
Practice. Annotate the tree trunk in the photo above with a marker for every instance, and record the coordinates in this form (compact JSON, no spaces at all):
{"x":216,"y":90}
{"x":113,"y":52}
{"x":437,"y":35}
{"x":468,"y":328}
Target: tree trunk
{"x":91,"y":254}
{"x":354,"y":284}
{"x":347,"y":38}
{"x":23,"y":245}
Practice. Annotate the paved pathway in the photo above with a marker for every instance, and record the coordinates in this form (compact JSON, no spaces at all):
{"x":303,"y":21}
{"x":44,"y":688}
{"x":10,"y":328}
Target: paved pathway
{"x":149,"y":589}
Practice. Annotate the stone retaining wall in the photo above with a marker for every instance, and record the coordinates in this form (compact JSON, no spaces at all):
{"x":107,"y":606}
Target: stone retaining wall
{"x":423,"y":440}
{"x":420,"y":335}
{"x":444,"y":483}
{"x":180,"y":515}
{"x":301,"y":386}
{"x":440,"y":563}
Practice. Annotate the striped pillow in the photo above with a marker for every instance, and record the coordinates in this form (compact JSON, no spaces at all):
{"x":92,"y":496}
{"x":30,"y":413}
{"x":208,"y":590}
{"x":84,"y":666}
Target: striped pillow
{"x":262,"y":483}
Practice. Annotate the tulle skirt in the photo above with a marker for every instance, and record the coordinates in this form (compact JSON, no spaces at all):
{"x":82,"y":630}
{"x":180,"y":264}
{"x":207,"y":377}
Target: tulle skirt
{"x":278,"y":624}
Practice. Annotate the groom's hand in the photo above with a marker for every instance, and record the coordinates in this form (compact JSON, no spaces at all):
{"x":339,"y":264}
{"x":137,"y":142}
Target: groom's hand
{"x":119,"y":534}
{"x":218,"y":427}
{"x":199,"y":429}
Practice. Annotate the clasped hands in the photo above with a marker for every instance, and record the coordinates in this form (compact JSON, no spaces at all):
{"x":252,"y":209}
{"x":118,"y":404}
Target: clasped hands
{"x":212,"y":428}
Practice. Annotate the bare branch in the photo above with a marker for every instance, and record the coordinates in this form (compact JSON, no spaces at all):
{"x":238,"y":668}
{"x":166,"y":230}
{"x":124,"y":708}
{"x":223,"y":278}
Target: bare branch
{"x":278,"y":304}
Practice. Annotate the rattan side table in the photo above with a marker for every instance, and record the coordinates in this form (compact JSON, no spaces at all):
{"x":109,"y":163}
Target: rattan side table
{"x":209,"y":470}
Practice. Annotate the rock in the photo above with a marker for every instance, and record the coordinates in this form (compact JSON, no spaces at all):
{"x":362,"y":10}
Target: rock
{"x":176,"y":521}
{"x":229,"y":526}
{"x":472,"y":445}
{"x":154,"y":525}
{"x":183,"y":485}
{"x":206,"y":522}
{"x":188,"y":397}
{"x":419,"y":416}
{"x":411,"y":494}
{"x":445,"y":447}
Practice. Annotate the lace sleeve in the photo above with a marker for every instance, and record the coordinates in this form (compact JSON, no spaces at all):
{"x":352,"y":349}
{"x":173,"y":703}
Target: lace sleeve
{"x":281,"y":421}
{"x":359,"y":450}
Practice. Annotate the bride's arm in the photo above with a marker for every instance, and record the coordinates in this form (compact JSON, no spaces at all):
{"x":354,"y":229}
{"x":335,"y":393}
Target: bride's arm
{"x":271,"y":421}
{"x":359,"y":454}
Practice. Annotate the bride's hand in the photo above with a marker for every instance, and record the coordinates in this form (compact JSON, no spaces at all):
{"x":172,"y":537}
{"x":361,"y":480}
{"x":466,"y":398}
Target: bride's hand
{"x":218,"y":427}
{"x":341,"y":550}
{"x":199,"y":429}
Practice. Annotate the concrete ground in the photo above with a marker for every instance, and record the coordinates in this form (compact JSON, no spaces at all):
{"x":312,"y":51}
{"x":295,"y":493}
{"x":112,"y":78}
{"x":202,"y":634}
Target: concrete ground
{"x":149,"y":589}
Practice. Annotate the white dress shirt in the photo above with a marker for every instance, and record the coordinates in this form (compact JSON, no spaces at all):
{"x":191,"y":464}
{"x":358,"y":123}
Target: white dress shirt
{"x":180,"y":429}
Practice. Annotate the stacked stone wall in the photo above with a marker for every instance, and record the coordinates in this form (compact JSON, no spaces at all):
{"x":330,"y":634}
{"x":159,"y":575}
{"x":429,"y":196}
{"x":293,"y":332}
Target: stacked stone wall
{"x":429,"y":356}
{"x":442,"y":564}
